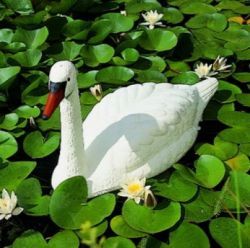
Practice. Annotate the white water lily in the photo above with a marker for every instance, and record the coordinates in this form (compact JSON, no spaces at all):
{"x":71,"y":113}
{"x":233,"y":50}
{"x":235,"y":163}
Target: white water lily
{"x":152,"y":19}
{"x":123,"y":12}
{"x":96,"y":91}
{"x":136,"y":190}
{"x":220,"y":64}
{"x":204,"y":70}
{"x":8,"y":205}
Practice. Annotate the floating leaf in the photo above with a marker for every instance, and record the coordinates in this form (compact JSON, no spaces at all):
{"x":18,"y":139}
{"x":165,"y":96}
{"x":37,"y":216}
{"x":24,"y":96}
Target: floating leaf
{"x":197,"y":8}
{"x":31,"y":38}
{"x":235,"y":119}
{"x":8,"y":145}
{"x":188,"y":235}
{"x":130,"y":54}
{"x":8,"y":74}
{"x":119,"y":22}
{"x":9,"y":121}
{"x":240,"y":135}
{"x":30,"y":239}
{"x":243,"y":77}
{"x":23,"y":7}
{"x":29,"y":58}
{"x":85,"y":80}
{"x":114,"y":75}
{"x":176,"y":189}
{"x":243,"y":99}
{"x":221,"y":149}
{"x":151,"y":76}
{"x":209,"y":170}
{"x":186,"y":78}
{"x":147,"y":220}
{"x":158,"y":39}
{"x":64,"y":239}
{"x":240,"y":162}
{"x":26,"y":111}
{"x":6,"y":35}
{"x":118,"y":242}
{"x":37,"y":146}
{"x":13,"y":174}
{"x":229,"y":233}
{"x":120,"y":227}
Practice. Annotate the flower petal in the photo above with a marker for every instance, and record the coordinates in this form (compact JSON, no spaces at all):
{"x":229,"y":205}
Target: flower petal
{"x":2,"y":216}
{"x":7,"y":216}
{"x":17,"y":211}
{"x":5,"y":195}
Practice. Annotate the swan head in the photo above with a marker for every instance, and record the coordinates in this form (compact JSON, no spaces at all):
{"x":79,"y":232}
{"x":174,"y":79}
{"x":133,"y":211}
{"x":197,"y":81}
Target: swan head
{"x":62,"y":82}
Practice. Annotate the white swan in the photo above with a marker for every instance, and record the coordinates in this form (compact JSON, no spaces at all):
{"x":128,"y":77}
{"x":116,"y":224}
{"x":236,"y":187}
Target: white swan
{"x":137,"y":131}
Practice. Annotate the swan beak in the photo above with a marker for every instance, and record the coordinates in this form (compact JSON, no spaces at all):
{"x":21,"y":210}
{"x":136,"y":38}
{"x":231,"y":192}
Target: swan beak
{"x":55,"y":96}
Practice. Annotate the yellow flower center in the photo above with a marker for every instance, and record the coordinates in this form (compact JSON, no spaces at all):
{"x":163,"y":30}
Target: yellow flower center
{"x":4,"y":204}
{"x":134,"y":188}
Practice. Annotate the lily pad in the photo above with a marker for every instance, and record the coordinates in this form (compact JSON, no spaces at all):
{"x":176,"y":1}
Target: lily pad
{"x":119,"y":22}
{"x":121,"y":228}
{"x":68,"y":207}
{"x":229,"y":233}
{"x":235,"y":119}
{"x":188,"y":78}
{"x":147,"y":220}
{"x":29,"y":58}
{"x":26,"y":111}
{"x":64,"y":239}
{"x":188,"y":235}
{"x":38,"y":146}
{"x":114,"y":75}
{"x":8,"y":145}
{"x":87,"y":79}
{"x":31,"y":38}
{"x":8,"y":74}
{"x":13,"y":174}
{"x":23,"y":7}
{"x":9,"y":121}
{"x":30,"y":239}
{"x":240,"y":162}
{"x":240,"y":135}
{"x":243,"y":99}
{"x":118,"y":242}
{"x":158,"y":39}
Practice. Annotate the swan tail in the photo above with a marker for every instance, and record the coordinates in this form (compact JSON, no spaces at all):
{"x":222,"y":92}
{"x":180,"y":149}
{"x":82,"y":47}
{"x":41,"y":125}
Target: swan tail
{"x":206,"y":89}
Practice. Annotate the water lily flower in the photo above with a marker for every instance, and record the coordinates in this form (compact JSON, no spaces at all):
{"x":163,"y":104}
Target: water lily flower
{"x":136,"y":190}
{"x":204,"y":70}
{"x":123,"y":12}
{"x":96,"y":91}
{"x":220,"y":65}
{"x":8,"y":205}
{"x":152,"y":19}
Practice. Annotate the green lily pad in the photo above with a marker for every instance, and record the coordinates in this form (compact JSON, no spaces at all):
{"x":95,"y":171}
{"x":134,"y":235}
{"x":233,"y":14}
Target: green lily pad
{"x":67,"y":50}
{"x":204,"y":207}
{"x":26,"y":111}
{"x":23,"y":7}
{"x":176,"y":189}
{"x":119,"y":22}
{"x":30,"y":239}
{"x":13,"y":174}
{"x":64,"y":239}
{"x":93,"y":55}
{"x":240,"y":162}
{"x":209,"y":170}
{"x":99,"y":31}
{"x":118,"y":242}
{"x":188,"y":235}
{"x":67,"y":209}
{"x":243,"y":99}
{"x":29,"y":58}
{"x":239,"y":135}
{"x":235,"y":119}
{"x":172,"y":15}
{"x":150,"y":76}
{"x":229,"y":233}
{"x":8,"y":74}
{"x":31,"y":38}
{"x":197,"y":8}
{"x":38,"y":146}
{"x":9,"y":121}
{"x":221,"y":149}
{"x":121,"y":228}
{"x":6,"y":35}
{"x":30,"y":197}
{"x":158,"y":39}
{"x":188,"y":77}
{"x":87,"y":79}
{"x":114,"y":75}
{"x":151,"y":242}
{"x":8,"y":145}
{"x":130,"y":54}
{"x":245,"y":148}
{"x":53,"y":123}
{"x":76,"y":29}
{"x":243,"y":77}
{"x":147,"y":220}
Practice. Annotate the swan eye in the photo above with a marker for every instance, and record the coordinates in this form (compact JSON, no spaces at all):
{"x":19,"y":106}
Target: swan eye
{"x":68,"y":79}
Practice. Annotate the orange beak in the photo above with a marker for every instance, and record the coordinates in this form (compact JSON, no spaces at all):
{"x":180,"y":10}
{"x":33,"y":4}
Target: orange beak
{"x":55,"y":96}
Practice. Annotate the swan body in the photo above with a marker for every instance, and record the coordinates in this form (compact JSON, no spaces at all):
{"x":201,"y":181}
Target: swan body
{"x":137,"y":131}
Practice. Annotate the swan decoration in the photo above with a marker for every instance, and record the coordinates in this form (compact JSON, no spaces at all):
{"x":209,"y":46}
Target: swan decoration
{"x":138,"y":131}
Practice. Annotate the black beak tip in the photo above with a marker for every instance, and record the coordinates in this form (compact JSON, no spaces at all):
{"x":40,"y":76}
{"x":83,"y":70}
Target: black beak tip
{"x":45,"y":117}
